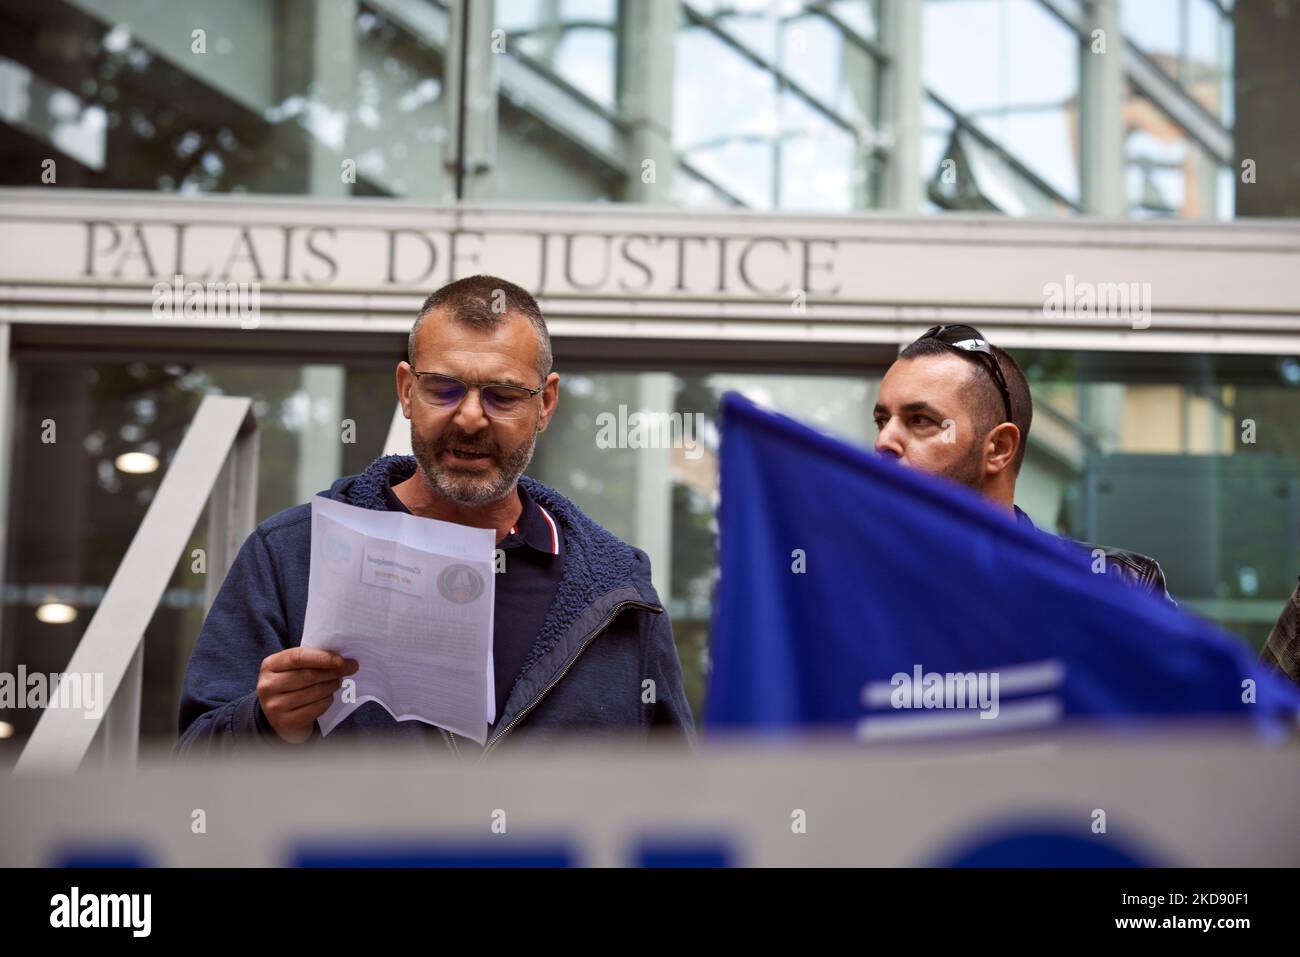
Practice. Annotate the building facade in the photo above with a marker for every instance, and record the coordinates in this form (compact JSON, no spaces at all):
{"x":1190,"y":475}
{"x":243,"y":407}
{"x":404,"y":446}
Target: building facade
{"x":761,"y":195}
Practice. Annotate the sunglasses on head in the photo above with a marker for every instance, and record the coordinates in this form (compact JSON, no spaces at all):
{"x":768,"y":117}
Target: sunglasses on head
{"x":971,"y":340}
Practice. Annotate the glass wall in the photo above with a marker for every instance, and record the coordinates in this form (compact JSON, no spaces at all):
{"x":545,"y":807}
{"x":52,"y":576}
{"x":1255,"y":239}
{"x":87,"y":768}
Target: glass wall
{"x":576,"y":41}
{"x":767,"y":104}
{"x":326,"y":98}
{"x":1008,"y":71}
{"x":1191,"y":42}
{"x":777,"y":105}
{"x":1191,"y":460}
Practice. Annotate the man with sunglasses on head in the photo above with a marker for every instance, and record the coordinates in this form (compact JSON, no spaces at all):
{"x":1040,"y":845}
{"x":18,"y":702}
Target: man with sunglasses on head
{"x":581,"y":642}
{"x":954,"y":405}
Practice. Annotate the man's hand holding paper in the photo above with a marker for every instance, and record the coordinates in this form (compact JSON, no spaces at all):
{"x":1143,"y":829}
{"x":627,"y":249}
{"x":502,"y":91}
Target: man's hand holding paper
{"x":411,"y":600}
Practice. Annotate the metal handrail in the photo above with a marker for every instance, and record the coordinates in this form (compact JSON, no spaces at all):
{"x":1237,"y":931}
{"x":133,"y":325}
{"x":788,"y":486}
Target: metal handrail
{"x":216,"y":464}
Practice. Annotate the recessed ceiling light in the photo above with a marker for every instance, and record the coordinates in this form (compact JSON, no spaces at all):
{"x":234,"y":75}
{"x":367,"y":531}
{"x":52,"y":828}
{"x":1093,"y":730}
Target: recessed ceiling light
{"x":56,"y":613}
{"x":136,"y":463}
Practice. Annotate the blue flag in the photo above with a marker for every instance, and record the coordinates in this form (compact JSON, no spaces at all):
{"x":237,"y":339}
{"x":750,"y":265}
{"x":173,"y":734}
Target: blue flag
{"x":859,"y":594}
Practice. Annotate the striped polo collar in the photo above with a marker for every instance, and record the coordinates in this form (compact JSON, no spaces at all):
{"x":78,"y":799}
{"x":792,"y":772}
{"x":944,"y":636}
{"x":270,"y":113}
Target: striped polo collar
{"x":536,"y":526}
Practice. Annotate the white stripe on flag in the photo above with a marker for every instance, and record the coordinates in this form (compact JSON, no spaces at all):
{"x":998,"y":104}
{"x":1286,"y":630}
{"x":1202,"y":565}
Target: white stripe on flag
{"x":1035,"y":676}
{"x":906,"y":725}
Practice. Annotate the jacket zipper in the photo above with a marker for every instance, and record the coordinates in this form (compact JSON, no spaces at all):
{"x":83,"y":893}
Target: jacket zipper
{"x":613,"y":613}
{"x":451,"y":741}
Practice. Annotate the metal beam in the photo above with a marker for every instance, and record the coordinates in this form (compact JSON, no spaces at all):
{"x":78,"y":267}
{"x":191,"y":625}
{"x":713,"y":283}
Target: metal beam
{"x":1161,"y":89}
{"x":1102,"y":188}
{"x":648,"y":38}
{"x":901,"y":103}
{"x":473,"y":90}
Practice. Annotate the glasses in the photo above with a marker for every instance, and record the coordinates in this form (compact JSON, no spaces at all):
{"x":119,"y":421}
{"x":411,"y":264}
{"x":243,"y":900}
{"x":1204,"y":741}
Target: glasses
{"x":446,"y":393}
{"x":969,"y":339}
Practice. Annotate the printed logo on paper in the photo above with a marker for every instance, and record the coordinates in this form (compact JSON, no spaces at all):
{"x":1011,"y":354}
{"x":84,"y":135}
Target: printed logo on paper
{"x":460,"y":584}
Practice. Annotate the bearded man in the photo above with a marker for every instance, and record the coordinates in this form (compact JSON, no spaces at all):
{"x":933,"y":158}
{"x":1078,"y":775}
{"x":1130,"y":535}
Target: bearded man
{"x":956,"y":406}
{"x":581,"y":642}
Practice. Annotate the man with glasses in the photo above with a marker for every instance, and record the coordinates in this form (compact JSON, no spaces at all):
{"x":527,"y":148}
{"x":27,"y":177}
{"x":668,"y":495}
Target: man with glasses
{"x":957,"y":406}
{"x":581,"y":641}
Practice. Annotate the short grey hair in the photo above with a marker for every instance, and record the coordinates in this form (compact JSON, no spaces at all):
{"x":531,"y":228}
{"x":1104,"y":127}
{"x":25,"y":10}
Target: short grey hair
{"x":485,"y":302}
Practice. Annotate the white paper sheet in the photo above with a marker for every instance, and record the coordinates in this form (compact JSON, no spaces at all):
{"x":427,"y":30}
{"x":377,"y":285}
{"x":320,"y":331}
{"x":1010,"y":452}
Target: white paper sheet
{"x":411,"y":599}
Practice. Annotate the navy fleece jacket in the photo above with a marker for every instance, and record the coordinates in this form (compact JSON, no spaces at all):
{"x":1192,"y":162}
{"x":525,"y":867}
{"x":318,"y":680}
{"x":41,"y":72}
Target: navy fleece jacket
{"x":604,"y":637}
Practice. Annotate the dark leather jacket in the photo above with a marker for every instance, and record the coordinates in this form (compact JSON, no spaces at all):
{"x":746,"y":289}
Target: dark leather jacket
{"x":1137,"y":569}
{"x":1282,"y":650}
